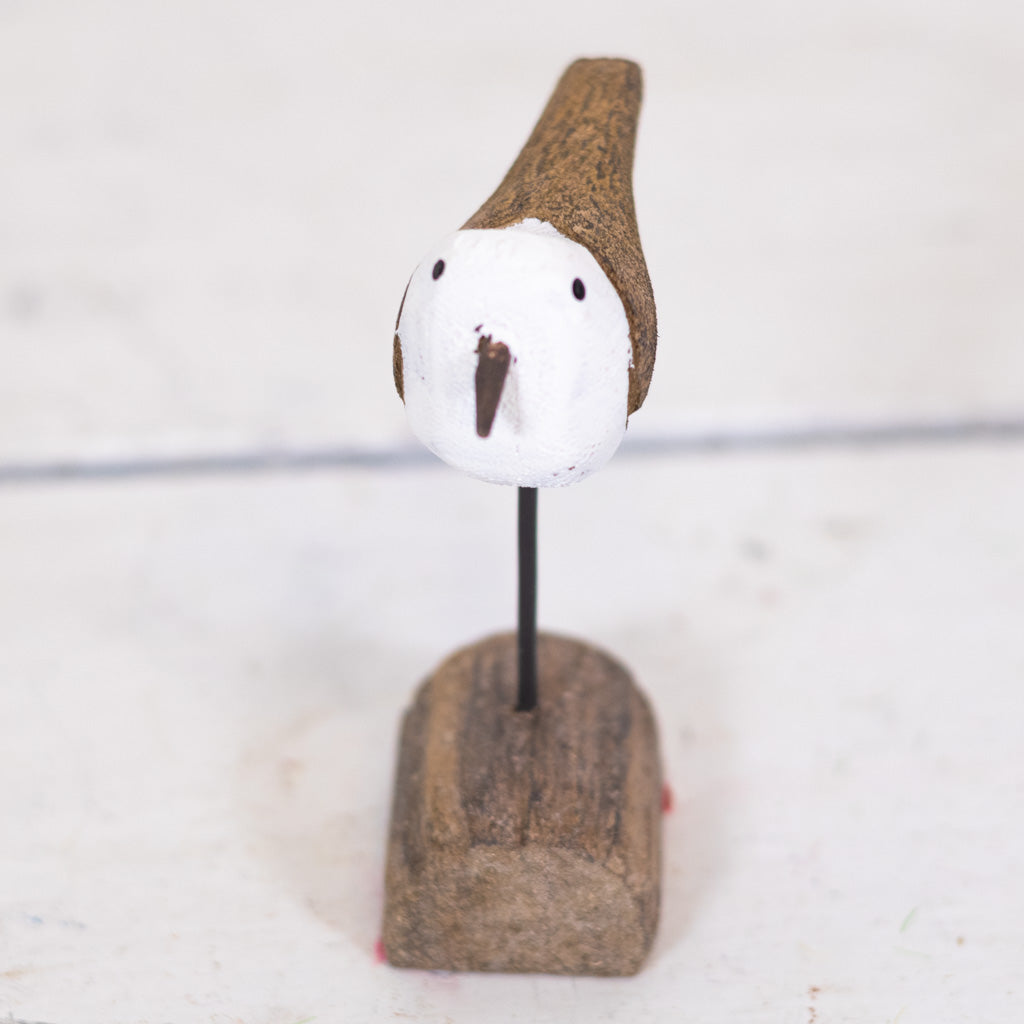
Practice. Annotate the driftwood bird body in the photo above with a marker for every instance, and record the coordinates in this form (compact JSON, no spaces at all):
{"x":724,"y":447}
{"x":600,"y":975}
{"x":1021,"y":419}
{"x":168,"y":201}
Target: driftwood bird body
{"x":525,"y":339}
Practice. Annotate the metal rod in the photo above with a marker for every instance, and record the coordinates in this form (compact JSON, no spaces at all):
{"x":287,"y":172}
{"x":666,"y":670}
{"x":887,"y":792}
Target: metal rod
{"x":527,"y":599}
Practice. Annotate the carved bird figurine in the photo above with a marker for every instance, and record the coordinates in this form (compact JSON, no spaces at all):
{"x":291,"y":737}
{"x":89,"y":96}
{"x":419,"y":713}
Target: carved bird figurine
{"x":525,"y":339}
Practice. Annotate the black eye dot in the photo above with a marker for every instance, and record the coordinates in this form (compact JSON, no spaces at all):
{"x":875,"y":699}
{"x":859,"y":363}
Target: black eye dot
{"x":578,"y":290}
{"x":438,"y":269}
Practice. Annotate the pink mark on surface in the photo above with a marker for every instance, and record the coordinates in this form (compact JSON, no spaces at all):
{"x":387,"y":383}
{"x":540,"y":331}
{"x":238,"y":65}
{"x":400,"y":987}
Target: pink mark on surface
{"x":379,"y":953}
{"x":666,"y":798}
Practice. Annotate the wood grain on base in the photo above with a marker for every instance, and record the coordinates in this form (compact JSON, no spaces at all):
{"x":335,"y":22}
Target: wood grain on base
{"x":525,"y":841}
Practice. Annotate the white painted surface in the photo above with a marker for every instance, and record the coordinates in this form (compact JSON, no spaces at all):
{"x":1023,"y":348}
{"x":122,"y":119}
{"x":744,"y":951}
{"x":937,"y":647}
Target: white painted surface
{"x":562,"y":411}
{"x":202,"y":690}
{"x":208,"y":212}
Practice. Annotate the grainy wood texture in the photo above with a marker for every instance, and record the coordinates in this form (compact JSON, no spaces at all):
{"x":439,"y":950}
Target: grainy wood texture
{"x":576,"y":172}
{"x":525,"y":841}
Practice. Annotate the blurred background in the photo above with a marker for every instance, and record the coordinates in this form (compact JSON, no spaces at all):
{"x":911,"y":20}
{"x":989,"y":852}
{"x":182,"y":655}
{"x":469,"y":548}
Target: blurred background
{"x":208,"y":213}
{"x":210,"y":210}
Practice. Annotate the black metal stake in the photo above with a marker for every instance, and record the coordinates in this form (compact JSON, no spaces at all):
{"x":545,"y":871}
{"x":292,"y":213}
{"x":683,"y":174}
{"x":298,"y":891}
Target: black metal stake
{"x":527,"y":599}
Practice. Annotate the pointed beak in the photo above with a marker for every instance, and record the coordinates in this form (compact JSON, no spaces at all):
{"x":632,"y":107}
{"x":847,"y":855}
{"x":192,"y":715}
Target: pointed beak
{"x":492,"y":364}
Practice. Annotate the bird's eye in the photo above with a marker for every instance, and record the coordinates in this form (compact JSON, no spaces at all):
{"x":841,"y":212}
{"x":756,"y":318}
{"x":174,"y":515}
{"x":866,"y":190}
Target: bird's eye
{"x":577,"y":289}
{"x":439,"y":270}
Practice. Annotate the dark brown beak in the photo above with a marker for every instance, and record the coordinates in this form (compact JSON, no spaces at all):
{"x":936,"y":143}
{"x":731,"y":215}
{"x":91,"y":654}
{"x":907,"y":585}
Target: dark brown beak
{"x":491,"y":371}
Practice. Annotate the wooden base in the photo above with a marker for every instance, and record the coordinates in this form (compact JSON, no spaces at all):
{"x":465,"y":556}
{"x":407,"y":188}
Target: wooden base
{"x":525,"y":841}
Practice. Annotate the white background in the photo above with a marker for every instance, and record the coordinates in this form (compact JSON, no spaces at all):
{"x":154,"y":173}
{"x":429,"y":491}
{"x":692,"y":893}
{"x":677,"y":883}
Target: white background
{"x":208,"y":212}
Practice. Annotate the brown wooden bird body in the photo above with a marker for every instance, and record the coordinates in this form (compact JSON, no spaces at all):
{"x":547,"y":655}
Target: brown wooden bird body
{"x":525,"y":339}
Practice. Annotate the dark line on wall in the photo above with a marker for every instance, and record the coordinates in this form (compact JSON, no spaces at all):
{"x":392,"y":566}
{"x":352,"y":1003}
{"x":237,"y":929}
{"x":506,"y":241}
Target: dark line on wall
{"x":725,"y":440}
{"x":833,"y":435}
{"x":214,"y":464}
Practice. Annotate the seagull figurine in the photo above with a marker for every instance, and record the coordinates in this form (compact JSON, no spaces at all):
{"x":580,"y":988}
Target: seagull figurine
{"x":527,"y":838}
{"x":525,"y":339}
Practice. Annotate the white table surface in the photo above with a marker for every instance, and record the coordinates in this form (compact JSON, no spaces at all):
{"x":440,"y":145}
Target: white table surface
{"x":207,"y":216}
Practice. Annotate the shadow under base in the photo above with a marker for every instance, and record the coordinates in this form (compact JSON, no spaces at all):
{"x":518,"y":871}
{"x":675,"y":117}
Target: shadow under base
{"x":525,"y":841}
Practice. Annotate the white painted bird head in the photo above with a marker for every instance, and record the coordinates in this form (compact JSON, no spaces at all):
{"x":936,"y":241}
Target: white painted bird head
{"x":516,"y":354}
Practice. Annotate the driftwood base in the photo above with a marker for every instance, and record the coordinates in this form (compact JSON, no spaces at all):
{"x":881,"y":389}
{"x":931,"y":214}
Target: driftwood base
{"x":525,"y":841}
